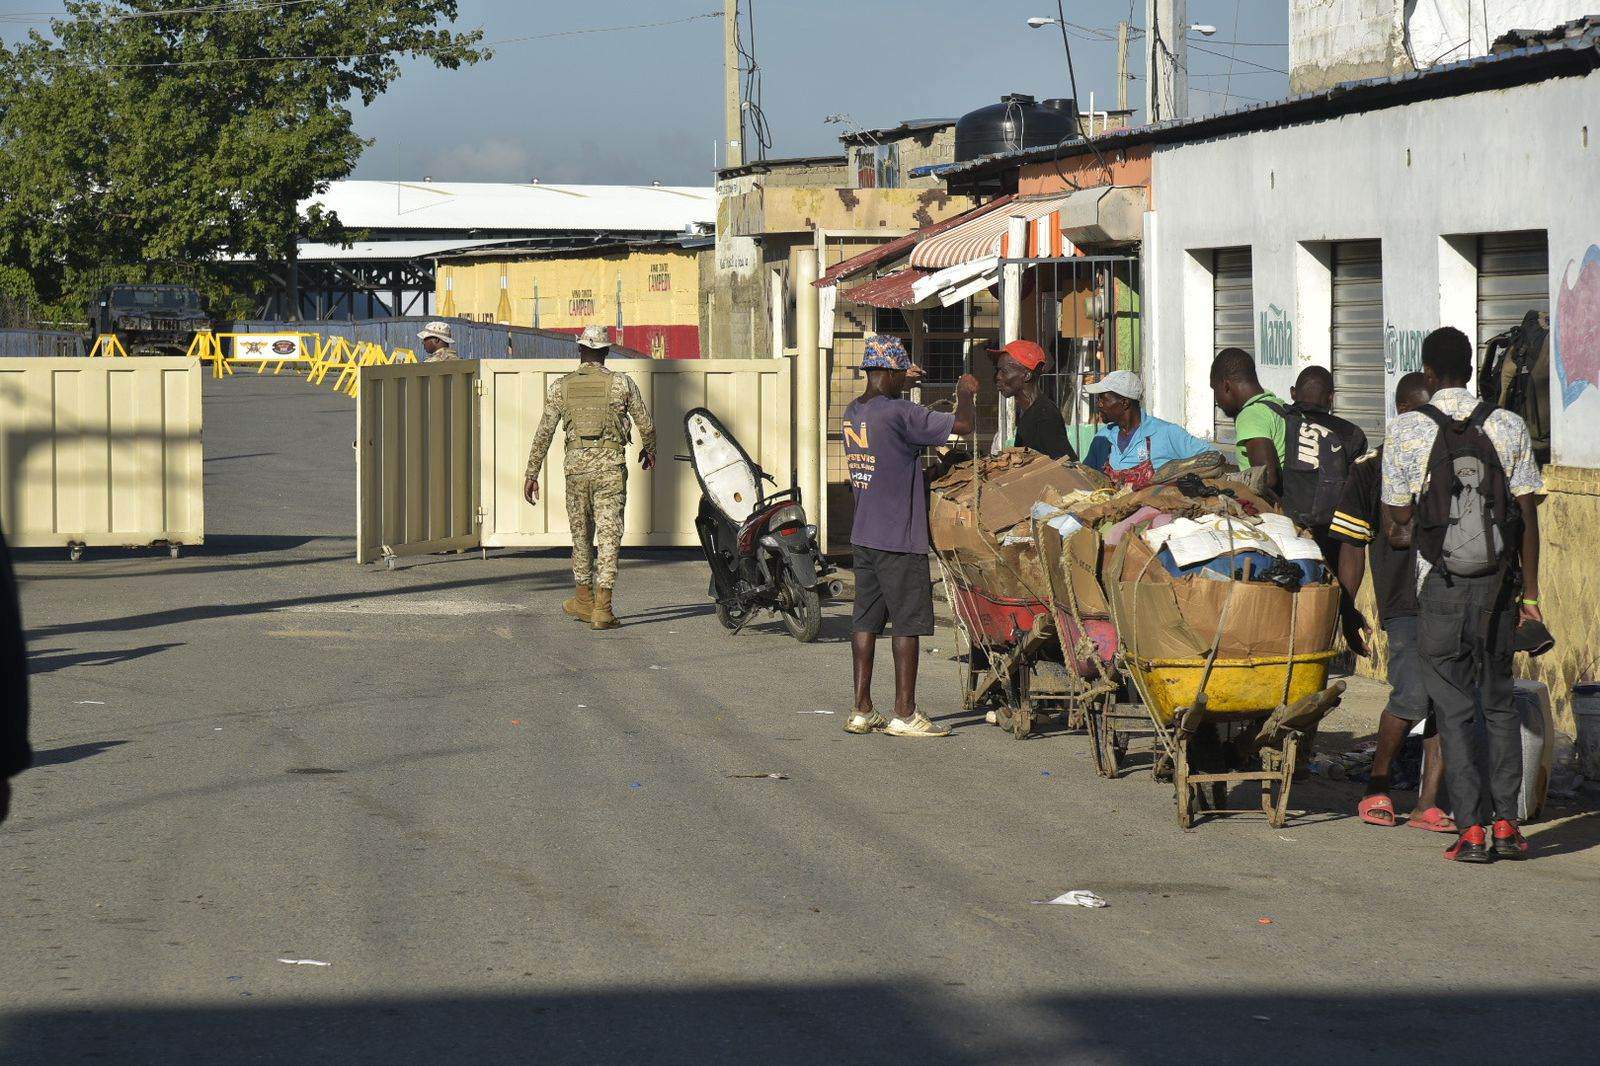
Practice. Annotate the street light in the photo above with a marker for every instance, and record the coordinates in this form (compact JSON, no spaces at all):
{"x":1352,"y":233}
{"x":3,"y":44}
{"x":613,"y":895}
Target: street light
{"x":1037,"y":23}
{"x":1202,"y":29}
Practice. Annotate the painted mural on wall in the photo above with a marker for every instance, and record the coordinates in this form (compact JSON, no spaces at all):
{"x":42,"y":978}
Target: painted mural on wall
{"x":1577,"y":328}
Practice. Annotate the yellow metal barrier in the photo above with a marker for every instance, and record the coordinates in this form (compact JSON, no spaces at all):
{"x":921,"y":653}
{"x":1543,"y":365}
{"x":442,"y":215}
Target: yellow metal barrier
{"x":106,"y":346}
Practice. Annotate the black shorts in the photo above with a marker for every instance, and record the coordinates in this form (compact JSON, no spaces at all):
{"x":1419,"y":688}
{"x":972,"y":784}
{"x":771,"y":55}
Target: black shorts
{"x":893,"y":588}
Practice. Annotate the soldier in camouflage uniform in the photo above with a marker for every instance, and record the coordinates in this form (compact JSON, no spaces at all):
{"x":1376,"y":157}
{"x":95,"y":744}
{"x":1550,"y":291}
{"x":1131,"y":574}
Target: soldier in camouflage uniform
{"x":438,"y":342}
{"x":596,"y":406}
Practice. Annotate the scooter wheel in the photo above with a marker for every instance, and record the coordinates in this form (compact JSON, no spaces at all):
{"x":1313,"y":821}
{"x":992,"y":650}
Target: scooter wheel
{"x":730,"y":617}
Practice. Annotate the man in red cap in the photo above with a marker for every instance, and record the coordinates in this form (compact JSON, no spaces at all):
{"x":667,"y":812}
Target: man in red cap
{"x":1039,"y":424}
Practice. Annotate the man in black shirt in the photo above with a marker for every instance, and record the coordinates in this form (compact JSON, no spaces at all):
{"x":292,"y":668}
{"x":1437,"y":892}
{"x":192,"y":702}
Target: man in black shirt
{"x":1313,"y":400}
{"x":1394,"y":579}
{"x":1039,"y":423}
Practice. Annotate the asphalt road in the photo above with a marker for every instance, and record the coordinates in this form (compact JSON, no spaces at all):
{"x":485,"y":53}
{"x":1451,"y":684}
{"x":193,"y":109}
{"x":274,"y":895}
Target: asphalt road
{"x":510,"y":839}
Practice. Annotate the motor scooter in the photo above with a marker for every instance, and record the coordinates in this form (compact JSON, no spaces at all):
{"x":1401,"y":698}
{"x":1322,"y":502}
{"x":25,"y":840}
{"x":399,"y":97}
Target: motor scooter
{"x":762,"y":551}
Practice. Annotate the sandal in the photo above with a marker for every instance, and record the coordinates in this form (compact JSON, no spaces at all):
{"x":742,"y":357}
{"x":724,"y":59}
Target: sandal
{"x":1377,"y":809}
{"x":1434,"y":820}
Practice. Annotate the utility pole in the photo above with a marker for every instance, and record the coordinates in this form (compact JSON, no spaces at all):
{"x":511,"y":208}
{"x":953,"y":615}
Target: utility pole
{"x":1166,"y":87}
{"x":1122,"y":66}
{"x":733,"y":152}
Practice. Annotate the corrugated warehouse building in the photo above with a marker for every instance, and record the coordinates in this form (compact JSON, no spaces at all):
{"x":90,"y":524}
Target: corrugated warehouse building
{"x":647,"y":293}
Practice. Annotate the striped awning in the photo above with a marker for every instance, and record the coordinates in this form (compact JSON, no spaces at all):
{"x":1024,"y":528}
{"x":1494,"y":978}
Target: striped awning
{"x":892,"y":290}
{"x":1057,"y":224}
{"x":986,"y":235}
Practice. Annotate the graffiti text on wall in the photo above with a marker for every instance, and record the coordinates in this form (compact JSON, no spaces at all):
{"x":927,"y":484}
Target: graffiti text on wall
{"x":1277,"y":338}
{"x":1402,"y":349}
{"x":1577,"y":328}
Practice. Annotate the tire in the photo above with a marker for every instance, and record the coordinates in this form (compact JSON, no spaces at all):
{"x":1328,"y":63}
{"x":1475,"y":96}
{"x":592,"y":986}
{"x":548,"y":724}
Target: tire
{"x":804,"y":619}
{"x":731,"y":618}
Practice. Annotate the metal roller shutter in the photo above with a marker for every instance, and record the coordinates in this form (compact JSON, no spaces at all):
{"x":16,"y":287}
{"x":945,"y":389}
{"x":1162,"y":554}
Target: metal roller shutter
{"x":1513,"y":279}
{"x":1233,"y":315}
{"x":1358,"y":371}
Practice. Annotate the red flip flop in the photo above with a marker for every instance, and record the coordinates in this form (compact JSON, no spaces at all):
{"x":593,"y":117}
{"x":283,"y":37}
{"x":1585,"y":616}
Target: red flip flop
{"x":1434,"y":820}
{"x":1377,"y":810}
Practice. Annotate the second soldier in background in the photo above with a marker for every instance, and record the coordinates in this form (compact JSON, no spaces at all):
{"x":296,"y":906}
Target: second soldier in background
{"x":596,"y":406}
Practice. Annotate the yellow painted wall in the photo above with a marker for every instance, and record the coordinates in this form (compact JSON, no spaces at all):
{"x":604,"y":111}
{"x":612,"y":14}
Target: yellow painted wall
{"x":660,"y":286}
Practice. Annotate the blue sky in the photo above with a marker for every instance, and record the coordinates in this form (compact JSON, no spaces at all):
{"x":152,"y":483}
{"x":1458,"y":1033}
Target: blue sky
{"x":645,"y":104}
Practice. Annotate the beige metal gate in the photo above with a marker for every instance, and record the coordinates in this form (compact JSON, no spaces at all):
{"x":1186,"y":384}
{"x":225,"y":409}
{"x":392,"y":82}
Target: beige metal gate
{"x":101,"y":452}
{"x":1358,"y":357}
{"x":443,"y":448}
{"x":753,"y":397}
{"x":417,"y":459}
{"x":1232,"y":316}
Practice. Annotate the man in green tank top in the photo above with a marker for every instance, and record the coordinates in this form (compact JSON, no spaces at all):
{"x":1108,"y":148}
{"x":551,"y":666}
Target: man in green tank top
{"x":597,"y":406}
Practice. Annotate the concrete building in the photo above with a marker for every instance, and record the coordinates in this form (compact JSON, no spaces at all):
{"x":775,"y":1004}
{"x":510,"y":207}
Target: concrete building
{"x":1338,"y":229}
{"x":647,"y":293}
{"x":839,"y":204}
{"x":1336,"y":41}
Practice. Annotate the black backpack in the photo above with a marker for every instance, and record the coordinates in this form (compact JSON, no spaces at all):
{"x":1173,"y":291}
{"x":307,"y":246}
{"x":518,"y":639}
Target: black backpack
{"x":1316,"y":464}
{"x":1468,"y":524}
{"x":1515,"y":375}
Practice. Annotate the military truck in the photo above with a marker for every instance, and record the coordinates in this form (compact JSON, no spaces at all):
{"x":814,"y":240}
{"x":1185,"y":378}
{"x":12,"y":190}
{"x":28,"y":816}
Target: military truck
{"x":149,"y":318}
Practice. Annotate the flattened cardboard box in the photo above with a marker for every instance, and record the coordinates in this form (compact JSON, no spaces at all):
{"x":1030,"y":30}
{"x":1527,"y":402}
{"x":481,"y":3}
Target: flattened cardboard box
{"x":1012,"y":483}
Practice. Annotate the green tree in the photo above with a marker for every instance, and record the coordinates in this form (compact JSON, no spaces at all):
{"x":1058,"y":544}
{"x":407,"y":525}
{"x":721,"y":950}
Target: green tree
{"x":183,"y":131}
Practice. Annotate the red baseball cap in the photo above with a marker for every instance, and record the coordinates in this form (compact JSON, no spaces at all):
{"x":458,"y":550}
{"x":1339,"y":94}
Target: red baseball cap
{"x":1029,"y":354}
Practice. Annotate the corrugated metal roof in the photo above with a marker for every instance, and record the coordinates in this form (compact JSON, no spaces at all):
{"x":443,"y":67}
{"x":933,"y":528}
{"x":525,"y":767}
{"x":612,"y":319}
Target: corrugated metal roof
{"x":901,"y":245}
{"x":1566,"y":57}
{"x":469,"y":206}
{"x":892,"y":290}
{"x":368,"y":250}
{"x":903,"y":129}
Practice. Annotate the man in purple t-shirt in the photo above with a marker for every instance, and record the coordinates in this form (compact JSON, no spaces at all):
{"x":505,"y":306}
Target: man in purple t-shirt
{"x":883,"y":441}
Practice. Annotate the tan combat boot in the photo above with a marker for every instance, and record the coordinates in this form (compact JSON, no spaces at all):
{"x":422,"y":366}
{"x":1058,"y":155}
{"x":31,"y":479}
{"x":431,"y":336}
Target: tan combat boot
{"x":602,"y":617}
{"x":581,"y":606}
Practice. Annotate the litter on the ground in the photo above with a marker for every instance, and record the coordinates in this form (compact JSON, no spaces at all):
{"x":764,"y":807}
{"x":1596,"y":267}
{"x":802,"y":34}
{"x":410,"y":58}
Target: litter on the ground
{"x":305,"y":962}
{"x":1263,"y":921}
{"x":1078,"y":897}
{"x":768,"y":776}
{"x":84,"y":703}
{"x":635,"y":784}
{"x":815,"y":712}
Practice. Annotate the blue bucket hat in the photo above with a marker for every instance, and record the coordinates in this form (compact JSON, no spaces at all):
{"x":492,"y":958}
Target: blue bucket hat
{"x":885,"y":352}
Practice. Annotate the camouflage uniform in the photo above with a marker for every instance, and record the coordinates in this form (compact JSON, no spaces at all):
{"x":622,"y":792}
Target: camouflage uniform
{"x":597,"y":477}
{"x":442,"y":354}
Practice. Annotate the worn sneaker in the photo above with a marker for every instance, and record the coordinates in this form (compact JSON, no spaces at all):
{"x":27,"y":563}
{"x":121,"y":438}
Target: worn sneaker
{"x":991,"y":718}
{"x":917,"y":725}
{"x":1508,"y":841}
{"x":1469,"y":847}
{"x":871,"y":722}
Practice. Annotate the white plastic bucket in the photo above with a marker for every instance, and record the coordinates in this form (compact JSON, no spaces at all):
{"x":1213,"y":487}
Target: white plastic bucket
{"x":1586,"y":709}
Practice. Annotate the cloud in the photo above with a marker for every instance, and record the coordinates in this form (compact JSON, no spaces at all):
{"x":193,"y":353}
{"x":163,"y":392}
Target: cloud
{"x":669,"y":157}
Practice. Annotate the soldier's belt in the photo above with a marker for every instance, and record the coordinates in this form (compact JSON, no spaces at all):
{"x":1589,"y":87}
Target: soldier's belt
{"x":582,"y":445}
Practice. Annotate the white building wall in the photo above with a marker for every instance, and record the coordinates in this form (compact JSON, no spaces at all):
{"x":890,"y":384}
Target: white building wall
{"x":1424,"y":179}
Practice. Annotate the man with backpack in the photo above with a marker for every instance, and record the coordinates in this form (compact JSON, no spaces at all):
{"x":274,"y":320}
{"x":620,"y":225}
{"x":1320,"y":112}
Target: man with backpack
{"x":1460,"y":482}
{"x":1358,"y":529}
{"x":1260,"y":438}
{"x":1320,"y":449}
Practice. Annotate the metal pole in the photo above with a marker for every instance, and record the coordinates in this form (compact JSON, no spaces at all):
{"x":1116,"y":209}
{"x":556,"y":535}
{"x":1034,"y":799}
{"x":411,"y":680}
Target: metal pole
{"x":734,"y":114}
{"x":807,"y":400}
{"x":1011,"y":305}
{"x":1122,"y":66}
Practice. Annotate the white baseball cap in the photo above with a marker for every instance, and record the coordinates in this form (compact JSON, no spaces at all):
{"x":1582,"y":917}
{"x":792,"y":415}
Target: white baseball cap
{"x":1122,"y":382}
{"x":438,"y":331}
{"x":594,"y":337}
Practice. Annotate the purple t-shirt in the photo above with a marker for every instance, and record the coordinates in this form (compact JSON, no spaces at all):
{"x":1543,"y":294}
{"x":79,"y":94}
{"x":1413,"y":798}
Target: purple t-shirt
{"x":883,"y":442}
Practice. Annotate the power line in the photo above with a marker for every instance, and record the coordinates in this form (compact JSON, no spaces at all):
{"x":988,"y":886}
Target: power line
{"x":1246,"y":62}
{"x":179,"y":64}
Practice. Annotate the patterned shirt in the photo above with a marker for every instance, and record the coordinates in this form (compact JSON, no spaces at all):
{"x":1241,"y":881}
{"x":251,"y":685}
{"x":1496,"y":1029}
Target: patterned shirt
{"x":626,"y":403}
{"x":441,"y":355}
{"x":1410,"y":441}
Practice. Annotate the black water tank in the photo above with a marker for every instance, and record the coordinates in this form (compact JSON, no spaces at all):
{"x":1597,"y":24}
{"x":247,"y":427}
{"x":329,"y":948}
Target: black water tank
{"x":1017,"y":121}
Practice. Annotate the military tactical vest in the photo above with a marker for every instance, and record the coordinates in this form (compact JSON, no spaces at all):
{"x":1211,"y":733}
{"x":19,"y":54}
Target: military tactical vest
{"x":591,"y":421}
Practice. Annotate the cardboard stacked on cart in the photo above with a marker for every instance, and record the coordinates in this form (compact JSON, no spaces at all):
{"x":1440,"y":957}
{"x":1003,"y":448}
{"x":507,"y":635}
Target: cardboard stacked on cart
{"x":1168,"y":617}
{"x":1006,"y":487}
